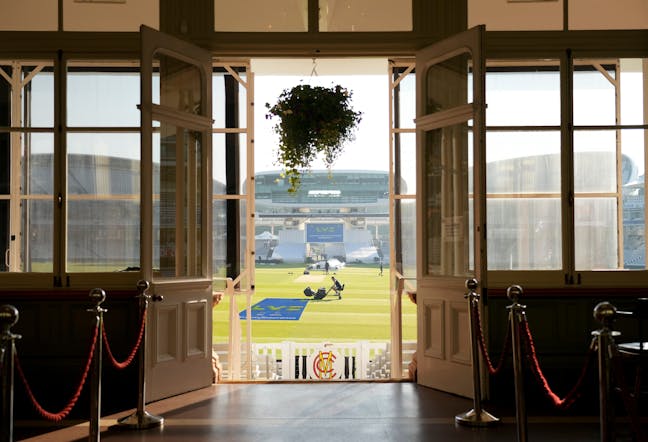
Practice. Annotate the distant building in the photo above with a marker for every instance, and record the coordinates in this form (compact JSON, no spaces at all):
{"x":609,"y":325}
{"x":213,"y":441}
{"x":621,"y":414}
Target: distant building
{"x":342,"y":214}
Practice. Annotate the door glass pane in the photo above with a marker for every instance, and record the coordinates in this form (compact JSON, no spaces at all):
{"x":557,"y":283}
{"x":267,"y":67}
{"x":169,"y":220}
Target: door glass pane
{"x":447,"y":202}
{"x":447,"y":84}
{"x":179,"y":85}
{"x":177,"y":189}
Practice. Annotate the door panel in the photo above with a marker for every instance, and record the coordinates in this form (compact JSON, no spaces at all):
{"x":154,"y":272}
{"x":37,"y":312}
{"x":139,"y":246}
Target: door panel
{"x":180,"y":349}
{"x":451,"y":205}
{"x":176,"y":212}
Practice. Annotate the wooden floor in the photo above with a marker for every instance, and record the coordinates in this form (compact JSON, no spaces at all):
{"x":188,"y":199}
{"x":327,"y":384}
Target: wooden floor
{"x":331,"y":412}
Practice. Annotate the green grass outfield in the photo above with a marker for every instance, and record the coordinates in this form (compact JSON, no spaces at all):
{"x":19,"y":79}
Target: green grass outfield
{"x":361,"y":314}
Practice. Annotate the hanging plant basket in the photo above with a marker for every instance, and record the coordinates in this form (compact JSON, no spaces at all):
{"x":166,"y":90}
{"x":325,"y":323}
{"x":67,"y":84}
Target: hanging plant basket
{"x":314,"y":122}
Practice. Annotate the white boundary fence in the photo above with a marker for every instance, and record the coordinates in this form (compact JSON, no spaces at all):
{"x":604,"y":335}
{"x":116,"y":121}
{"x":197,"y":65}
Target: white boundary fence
{"x":289,"y":360}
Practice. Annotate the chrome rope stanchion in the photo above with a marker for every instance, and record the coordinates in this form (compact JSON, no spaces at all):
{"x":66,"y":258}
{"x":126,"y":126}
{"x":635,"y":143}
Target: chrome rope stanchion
{"x":99,"y":296}
{"x":8,"y":318}
{"x":605,"y":313}
{"x":516,"y":316}
{"x":142,"y":419}
{"x":477,"y":417}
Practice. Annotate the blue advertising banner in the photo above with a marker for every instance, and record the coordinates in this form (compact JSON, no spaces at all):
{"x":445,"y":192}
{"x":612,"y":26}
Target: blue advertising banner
{"x":277,"y":309}
{"x":324,"y":232}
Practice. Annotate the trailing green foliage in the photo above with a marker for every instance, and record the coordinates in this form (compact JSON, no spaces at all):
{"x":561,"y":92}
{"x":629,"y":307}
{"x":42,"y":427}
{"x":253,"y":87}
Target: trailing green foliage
{"x":313,"y":120}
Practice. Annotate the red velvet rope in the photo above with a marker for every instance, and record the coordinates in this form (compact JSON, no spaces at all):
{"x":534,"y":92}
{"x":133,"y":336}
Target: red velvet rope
{"x":121,"y":365}
{"x":571,"y":397}
{"x":482,"y":344}
{"x":58,"y":417}
{"x":629,"y":402}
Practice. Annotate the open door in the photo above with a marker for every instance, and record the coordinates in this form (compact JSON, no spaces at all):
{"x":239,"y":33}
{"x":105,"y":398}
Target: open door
{"x":176,"y":212}
{"x":451,"y":205}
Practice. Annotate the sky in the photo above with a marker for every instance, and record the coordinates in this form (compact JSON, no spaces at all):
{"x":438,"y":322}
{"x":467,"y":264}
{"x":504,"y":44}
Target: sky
{"x":367,"y":82}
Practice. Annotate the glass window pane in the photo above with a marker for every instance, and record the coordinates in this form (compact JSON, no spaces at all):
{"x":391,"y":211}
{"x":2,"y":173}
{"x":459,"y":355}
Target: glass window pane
{"x":365,"y":15}
{"x":634,"y":218}
{"x":103,"y":216}
{"x":242,"y":207}
{"x":597,"y":172}
{"x":103,"y":97}
{"x":634,"y":74}
{"x":224,"y":145}
{"x":522,"y":162}
{"x":261,"y":16}
{"x":104,"y":163}
{"x":408,"y":243}
{"x":527,"y":96}
{"x":219,"y":241}
{"x":595,"y":163}
{"x":594,"y":93}
{"x":447,"y":84}
{"x":229,"y":100}
{"x":38,"y":218}
{"x":523,"y":200}
{"x":38,"y":164}
{"x":177,"y":187}
{"x":406,"y":143}
{"x":406,"y":102}
{"x":524,"y":233}
{"x":26,"y":215}
{"x":103,"y":235}
{"x":447,"y":229}
{"x":38,"y":97}
{"x":596,"y":234}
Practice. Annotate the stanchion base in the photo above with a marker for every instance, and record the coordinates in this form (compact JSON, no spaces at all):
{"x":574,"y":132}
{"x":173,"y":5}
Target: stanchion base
{"x":140,"y":421}
{"x":472,"y":419}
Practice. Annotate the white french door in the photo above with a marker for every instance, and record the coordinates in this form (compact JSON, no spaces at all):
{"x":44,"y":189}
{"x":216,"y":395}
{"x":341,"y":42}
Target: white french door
{"x":451,"y":205}
{"x":176,"y":212}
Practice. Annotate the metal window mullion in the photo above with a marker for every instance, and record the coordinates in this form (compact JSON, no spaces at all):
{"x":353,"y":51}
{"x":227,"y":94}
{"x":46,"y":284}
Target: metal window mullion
{"x":251,"y":187}
{"x":251,"y":216}
{"x":567,"y":166}
{"x":396,"y":319}
{"x":645,"y":116}
{"x":16,"y":171}
{"x":616,"y":83}
{"x":59,"y":251}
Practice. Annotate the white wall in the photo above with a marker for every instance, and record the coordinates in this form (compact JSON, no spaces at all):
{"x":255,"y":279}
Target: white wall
{"x":84,"y":15}
{"x":79,"y":15}
{"x":28,"y":15}
{"x":501,"y":15}
{"x":546,"y":15}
